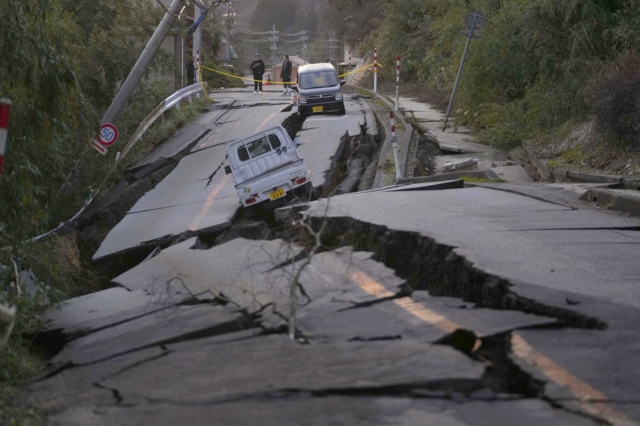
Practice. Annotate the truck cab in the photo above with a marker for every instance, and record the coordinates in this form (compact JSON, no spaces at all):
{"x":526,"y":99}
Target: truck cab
{"x":266,"y":167}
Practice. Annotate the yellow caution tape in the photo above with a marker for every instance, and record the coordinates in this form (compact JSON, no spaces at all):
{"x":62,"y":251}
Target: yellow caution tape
{"x":245,"y":78}
{"x":204,"y":88}
{"x":357,"y":70}
{"x":273,"y":82}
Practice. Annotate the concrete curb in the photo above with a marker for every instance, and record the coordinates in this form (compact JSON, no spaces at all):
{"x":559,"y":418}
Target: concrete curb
{"x":408,"y":135}
{"x":556,"y":174}
{"x":614,"y":199}
{"x":477,"y":174}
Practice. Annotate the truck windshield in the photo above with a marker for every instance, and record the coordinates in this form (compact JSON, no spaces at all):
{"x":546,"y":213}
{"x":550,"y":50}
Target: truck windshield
{"x":318,"y":79}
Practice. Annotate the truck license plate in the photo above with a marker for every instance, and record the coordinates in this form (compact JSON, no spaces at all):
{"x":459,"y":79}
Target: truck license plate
{"x":278,"y":193}
{"x":318,"y":109}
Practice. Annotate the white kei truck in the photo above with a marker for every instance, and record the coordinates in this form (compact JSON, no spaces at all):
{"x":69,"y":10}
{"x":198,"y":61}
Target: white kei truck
{"x":266,"y":168}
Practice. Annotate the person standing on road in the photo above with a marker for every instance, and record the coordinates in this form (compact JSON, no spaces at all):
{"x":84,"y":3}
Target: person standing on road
{"x":257,"y":66}
{"x":191,"y":72}
{"x":285,"y":75}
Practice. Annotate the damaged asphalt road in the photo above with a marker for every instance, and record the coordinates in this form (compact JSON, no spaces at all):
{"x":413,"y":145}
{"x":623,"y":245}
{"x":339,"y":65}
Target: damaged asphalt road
{"x":426,"y":304}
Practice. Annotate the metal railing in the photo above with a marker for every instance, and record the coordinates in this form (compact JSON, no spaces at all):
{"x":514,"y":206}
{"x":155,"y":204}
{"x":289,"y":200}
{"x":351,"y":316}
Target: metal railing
{"x":164,"y":106}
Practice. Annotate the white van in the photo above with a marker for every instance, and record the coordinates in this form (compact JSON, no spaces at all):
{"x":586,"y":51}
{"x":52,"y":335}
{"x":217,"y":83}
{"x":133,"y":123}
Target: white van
{"x":319,"y":90}
{"x":266,"y":167}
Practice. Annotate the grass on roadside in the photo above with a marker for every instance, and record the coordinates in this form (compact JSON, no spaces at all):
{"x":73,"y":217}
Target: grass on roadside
{"x":63,"y":272}
{"x":468,"y":179}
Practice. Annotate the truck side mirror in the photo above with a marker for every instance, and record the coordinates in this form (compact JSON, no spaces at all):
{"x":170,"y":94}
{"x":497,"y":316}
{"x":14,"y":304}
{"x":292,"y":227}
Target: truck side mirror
{"x":227,"y":170}
{"x":294,"y":87}
{"x":342,"y":82}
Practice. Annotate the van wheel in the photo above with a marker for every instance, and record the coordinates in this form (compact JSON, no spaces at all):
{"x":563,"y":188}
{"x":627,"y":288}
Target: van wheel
{"x":342,"y":111}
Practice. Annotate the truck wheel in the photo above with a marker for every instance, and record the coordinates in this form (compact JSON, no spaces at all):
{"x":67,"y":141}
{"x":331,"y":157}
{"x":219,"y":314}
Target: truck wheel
{"x":310,"y":192}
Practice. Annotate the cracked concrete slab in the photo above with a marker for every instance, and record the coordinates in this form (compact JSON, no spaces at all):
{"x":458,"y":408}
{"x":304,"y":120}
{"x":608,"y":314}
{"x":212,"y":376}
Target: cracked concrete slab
{"x":484,"y":160}
{"x":183,"y":201}
{"x":603,"y":359}
{"x":482,"y":321}
{"x":237,"y":269}
{"x":179,"y":141}
{"x":513,"y":173}
{"x":461,"y":142}
{"x":187,"y":183}
{"x":475,"y":221}
{"x":274,"y":363}
{"x":140,"y":228}
{"x":321,"y":135}
{"x":178,"y":323}
{"x":76,"y":385}
{"x":242,"y":122}
{"x":298,"y":410}
{"x":84,"y":314}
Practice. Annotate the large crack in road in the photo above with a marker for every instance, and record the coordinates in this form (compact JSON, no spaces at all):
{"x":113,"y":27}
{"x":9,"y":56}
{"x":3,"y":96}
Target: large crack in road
{"x":392,"y":327}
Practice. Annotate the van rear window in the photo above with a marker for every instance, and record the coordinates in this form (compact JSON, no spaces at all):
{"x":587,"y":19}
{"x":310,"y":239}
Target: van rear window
{"x":258,"y":147}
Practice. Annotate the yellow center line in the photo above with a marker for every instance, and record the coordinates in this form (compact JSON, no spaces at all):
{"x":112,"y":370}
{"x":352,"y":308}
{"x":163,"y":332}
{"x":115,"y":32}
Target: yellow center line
{"x":590,"y":399}
{"x":560,"y":376}
{"x":209,"y":202}
{"x":376,"y":289}
{"x":266,"y":120}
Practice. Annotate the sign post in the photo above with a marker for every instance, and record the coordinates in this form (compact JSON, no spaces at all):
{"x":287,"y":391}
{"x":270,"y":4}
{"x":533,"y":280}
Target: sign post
{"x":349,"y":68}
{"x":375,"y":70}
{"x":394,"y":143}
{"x":107,"y":136}
{"x":397,"y":81}
{"x":475,"y":21}
{"x":5,"y":113}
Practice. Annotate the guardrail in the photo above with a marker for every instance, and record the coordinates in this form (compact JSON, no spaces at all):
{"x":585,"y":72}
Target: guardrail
{"x":164,"y":106}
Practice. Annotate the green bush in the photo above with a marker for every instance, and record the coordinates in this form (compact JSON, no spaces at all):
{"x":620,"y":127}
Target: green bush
{"x":527,"y":74}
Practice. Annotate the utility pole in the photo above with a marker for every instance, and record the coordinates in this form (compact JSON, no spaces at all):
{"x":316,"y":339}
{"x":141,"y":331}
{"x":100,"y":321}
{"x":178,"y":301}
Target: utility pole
{"x":143,"y":62}
{"x":197,"y":36}
{"x":274,"y":47}
{"x":331,"y":48}
{"x":475,"y":21}
{"x":304,"y":39}
{"x":227,"y":55}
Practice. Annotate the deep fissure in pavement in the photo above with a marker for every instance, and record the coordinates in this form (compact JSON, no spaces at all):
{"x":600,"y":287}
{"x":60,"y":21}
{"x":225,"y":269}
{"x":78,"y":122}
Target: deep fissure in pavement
{"x":435,"y":267}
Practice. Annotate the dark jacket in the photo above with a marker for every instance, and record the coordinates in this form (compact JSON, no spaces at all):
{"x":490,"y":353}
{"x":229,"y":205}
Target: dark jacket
{"x":190,"y":70}
{"x":257,"y":67}
{"x":285,"y":74}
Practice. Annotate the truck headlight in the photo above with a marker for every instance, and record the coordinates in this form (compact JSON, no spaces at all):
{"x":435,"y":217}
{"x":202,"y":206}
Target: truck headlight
{"x":339,"y":96}
{"x":303,"y":99}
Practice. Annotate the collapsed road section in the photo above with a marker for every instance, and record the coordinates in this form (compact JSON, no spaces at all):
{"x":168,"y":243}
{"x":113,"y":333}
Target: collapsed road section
{"x":356,"y":311}
{"x":197,"y":198}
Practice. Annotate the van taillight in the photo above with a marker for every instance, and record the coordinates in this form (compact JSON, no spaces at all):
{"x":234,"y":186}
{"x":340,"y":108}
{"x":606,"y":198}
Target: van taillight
{"x":299,"y":181}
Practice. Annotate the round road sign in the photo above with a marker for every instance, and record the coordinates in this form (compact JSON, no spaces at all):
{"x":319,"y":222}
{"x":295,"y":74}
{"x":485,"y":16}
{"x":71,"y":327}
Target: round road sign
{"x":108,"y":134}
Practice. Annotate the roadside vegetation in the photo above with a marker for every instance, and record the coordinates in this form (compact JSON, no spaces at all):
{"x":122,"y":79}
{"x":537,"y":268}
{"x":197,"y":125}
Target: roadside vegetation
{"x":62,"y":63}
{"x":539,"y":69}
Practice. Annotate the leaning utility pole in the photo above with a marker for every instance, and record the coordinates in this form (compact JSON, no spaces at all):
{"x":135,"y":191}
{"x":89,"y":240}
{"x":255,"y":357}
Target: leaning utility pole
{"x":230,"y":10}
{"x":197,"y":39}
{"x":143,"y":62}
{"x":475,"y":21}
